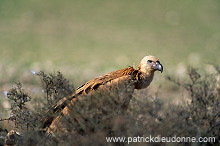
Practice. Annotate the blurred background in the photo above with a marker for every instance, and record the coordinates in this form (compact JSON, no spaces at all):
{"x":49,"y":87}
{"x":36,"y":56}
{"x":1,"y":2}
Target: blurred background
{"x":85,"y":39}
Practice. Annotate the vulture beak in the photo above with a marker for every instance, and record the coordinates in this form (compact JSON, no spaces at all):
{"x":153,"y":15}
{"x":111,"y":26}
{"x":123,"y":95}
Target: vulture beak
{"x":159,"y":67}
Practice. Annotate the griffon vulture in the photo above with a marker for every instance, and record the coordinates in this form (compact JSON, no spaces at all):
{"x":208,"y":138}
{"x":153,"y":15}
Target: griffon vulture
{"x":118,"y":82}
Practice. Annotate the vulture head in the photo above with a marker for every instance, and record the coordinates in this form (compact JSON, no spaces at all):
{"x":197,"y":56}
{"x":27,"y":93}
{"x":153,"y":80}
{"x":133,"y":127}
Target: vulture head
{"x":150,"y":64}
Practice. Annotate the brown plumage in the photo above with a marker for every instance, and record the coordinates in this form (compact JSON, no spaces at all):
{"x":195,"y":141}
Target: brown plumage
{"x":118,"y":82}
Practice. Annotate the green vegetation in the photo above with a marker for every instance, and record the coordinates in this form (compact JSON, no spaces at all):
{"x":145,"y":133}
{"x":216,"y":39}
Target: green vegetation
{"x":106,"y":35}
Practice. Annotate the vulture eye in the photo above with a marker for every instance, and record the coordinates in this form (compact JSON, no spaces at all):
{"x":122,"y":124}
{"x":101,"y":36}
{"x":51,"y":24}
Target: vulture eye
{"x":149,"y":61}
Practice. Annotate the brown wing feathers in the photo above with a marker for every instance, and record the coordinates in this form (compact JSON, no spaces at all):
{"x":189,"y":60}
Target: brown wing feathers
{"x":88,"y":87}
{"x":94,"y":84}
